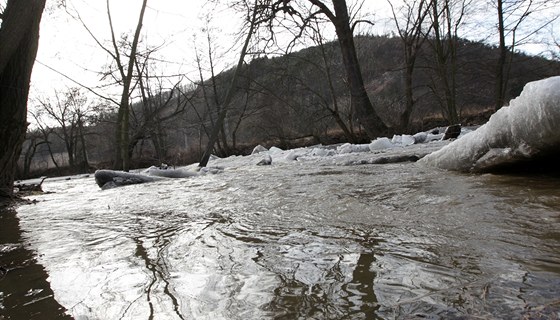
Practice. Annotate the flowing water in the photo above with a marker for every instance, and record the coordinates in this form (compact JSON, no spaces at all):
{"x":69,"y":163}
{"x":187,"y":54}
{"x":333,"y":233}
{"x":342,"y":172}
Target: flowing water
{"x":290,"y":241}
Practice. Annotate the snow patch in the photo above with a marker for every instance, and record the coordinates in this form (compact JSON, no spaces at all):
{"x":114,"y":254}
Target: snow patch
{"x":528,"y":128}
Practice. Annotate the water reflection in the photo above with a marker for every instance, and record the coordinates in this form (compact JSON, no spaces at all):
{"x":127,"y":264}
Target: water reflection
{"x":331,"y":242}
{"x":158,"y":269}
{"x":318,"y":280}
{"x":25,"y":292}
{"x":362,"y":287}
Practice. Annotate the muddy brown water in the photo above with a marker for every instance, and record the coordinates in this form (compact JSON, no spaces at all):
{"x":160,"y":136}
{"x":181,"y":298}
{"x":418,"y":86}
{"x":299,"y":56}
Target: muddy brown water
{"x":298,"y":241}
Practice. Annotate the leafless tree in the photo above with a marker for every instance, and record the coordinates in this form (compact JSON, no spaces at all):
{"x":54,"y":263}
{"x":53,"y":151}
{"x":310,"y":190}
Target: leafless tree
{"x":251,"y":25}
{"x":161,"y":102}
{"x":446,"y":19}
{"x":123,"y":76}
{"x":69,"y":111}
{"x":47,"y":132}
{"x":209,"y":90}
{"x":330,"y":101}
{"x":410,"y":20}
{"x":33,"y":139}
{"x":272,"y":13}
{"x":515,"y":27}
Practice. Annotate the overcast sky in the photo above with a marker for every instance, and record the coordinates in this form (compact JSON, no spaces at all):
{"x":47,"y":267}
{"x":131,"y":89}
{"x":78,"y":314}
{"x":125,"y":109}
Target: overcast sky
{"x":175,"y":25}
{"x":66,"y":46}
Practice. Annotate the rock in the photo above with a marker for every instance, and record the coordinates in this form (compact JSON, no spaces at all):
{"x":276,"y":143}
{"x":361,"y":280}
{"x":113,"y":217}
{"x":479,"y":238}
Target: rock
{"x":452,"y":132}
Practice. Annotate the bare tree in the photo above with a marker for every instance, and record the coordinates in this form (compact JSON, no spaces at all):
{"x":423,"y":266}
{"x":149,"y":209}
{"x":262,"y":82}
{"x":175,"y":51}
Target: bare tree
{"x":19,"y":37}
{"x":209,"y":89}
{"x":511,"y":16}
{"x":304,"y":12}
{"x":122,"y":160}
{"x":33,"y":139}
{"x":410,"y":22}
{"x":446,"y":19}
{"x":46,"y":132}
{"x":69,"y":111}
{"x":331,"y":103}
{"x":124,"y":77}
{"x":252,"y":24}
{"x":159,"y":105}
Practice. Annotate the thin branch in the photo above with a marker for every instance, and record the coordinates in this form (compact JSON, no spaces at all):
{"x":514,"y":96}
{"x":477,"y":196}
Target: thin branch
{"x":78,"y":83}
{"x":116,"y":56}
{"x":79,"y":18}
{"x":360,"y":21}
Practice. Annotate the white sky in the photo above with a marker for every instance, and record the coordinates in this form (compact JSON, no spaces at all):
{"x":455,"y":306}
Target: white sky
{"x":66,"y":46}
{"x":173,"y":24}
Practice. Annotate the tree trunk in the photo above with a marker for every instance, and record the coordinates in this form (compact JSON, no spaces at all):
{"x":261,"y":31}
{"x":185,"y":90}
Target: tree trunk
{"x":409,"y":97}
{"x":334,"y":110}
{"x":19,"y":38}
{"x":85,"y":162}
{"x":122,"y":156}
{"x":360,"y":101}
{"x":445,"y":51}
{"x":221,"y":117}
{"x":500,"y":74}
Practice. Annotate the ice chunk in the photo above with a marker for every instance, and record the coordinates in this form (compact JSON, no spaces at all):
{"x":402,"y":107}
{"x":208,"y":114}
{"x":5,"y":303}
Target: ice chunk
{"x":266,"y":161}
{"x":351,"y":148}
{"x":171,"y":173}
{"x":259,"y":149}
{"x":291,"y":156}
{"x":274,"y":150}
{"x":380,"y":144}
{"x":402,"y":140}
{"x":345,"y":148}
{"x":420,"y":137}
{"x":322,"y":152}
{"x":526,"y":129}
{"x":434,"y":137}
{"x":407,"y":140}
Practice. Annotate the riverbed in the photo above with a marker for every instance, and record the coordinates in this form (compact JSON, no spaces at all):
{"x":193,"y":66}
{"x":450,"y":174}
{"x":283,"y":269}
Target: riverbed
{"x":323,"y":239}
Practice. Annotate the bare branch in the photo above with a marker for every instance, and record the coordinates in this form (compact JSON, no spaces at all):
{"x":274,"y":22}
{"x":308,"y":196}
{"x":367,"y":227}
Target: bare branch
{"x":360,"y":21}
{"x":116,"y":55}
{"x":78,"y":17}
{"x":78,"y":83}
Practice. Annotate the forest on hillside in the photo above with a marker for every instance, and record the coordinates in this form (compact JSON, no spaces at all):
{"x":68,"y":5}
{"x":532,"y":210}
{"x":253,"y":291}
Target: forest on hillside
{"x":297,"y":99}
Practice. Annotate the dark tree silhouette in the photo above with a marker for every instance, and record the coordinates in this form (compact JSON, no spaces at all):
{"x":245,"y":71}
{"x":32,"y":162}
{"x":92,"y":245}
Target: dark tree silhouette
{"x":271,"y":14}
{"x":19,"y":39}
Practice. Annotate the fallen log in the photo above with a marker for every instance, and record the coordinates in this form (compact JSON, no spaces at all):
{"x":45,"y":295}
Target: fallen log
{"x":28,"y":188}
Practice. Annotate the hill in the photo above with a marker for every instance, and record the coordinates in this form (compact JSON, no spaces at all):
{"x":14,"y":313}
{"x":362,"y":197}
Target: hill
{"x":303,"y":94}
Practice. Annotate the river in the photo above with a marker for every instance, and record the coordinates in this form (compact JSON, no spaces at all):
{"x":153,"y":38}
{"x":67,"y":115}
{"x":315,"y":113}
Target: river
{"x":300,"y":240}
